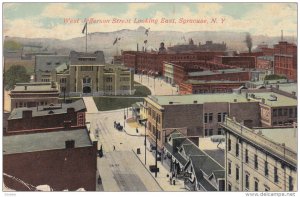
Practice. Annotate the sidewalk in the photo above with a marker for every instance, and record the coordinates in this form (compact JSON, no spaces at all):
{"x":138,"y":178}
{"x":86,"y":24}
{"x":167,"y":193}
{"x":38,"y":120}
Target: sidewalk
{"x":161,"y":178}
{"x":90,"y":105}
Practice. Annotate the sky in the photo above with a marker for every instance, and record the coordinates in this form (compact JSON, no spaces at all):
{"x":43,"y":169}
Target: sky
{"x":47,"y":20}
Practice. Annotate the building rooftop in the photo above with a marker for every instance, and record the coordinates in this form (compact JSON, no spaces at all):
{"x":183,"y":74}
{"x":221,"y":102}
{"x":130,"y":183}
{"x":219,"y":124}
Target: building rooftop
{"x":213,"y":149}
{"x":289,"y":87}
{"x":17,"y":113}
{"x":200,"y":98}
{"x":208,"y":72}
{"x":49,"y":62}
{"x":269,"y":58}
{"x":192,"y":81}
{"x":44,"y":141}
{"x":81,"y":58}
{"x":34,"y":87}
{"x":288,"y":136}
{"x":273,"y":99}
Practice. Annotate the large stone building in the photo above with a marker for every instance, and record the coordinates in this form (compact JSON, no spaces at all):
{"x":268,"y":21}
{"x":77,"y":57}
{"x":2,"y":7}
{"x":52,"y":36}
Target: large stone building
{"x":86,"y":74}
{"x":260,"y":159}
{"x":34,"y":94}
{"x":208,"y":46}
{"x":200,"y":114}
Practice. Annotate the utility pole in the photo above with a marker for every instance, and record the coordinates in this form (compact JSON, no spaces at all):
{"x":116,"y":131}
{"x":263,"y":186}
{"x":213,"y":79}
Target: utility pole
{"x":86,"y":39}
{"x":145,"y":141}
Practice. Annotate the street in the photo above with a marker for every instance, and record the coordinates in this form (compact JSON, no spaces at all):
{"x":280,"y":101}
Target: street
{"x":121,"y":168}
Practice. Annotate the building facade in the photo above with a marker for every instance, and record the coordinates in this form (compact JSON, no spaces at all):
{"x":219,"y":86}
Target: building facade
{"x":88,"y":74}
{"x":261,"y":160}
{"x":34,"y":94}
{"x":200,"y":114}
{"x":51,"y":117}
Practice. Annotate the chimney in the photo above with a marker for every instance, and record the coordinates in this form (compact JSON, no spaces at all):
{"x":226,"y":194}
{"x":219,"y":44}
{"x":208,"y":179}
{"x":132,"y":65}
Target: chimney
{"x":263,"y":101}
{"x":170,"y":102}
{"x":137,"y":46}
{"x":67,"y":124}
{"x":281,"y":35}
{"x":235,"y":100}
{"x":27,"y":114}
{"x":195,"y":102}
{"x":70,"y":144}
{"x":25,"y":87}
{"x":277,"y":87}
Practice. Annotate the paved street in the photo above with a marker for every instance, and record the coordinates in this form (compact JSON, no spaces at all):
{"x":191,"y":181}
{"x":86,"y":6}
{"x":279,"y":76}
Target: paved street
{"x":157,"y":86}
{"x":122,"y":169}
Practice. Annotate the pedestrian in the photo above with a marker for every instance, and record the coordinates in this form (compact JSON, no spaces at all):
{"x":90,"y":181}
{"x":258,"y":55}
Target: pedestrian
{"x":114,"y":148}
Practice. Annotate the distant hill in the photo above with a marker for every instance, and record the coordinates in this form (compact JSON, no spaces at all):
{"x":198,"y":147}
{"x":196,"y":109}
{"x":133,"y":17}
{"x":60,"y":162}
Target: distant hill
{"x":130,"y":38}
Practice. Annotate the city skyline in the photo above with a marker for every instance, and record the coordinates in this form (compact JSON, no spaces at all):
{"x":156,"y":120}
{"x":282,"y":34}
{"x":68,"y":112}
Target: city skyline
{"x":48,"y":20}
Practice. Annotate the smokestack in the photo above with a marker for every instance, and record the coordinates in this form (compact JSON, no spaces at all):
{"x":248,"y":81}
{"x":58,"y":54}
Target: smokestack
{"x":281,"y":35}
{"x":137,"y":46}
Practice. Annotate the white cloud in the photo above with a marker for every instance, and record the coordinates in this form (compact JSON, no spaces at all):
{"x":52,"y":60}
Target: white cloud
{"x":59,"y":10}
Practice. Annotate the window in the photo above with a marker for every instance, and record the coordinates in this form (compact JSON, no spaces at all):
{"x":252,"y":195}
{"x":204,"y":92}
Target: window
{"x":108,"y":79}
{"x":210,"y":132}
{"x":291,"y":112}
{"x":229,"y":168}
{"x":279,"y":112}
{"x":219,"y":117}
{"x":237,"y":149}
{"x":274,"y":112}
{"x":247,"y":182}
{"x":224,"y":116}
{"x":256,"y":185}
{"x":63,"y":80}
{"x":295,"y":112}
{"x":237,"y":173}
{"x":86,"y":68}
{"x":205,"y":132}
{"x":210,"y":118}
{"x":255,"y":162}
{"x":266,"y":169}
{"x":205,"y":118}
{"x":220,"y":131}
{"x":291,"y":186}
{"x":246,"y":156}
{"x":229,"y":187}
{"x":275,"y":175}
{"x":285,"y":112}
{"x":229,"y":144}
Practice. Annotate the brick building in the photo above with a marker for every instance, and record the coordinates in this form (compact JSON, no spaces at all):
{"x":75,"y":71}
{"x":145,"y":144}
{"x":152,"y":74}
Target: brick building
{"x":285,"y":60}
{"x":240,"y":61}
{"x":202,"y":86}
{"x":152,"y":63}
{"x":34,"y":94}
{"x":262,"y":160}
{"x":208,"y":46}
{"x":51,"y":117}
{"x":200,"y":114}
{"x":62,"y":159}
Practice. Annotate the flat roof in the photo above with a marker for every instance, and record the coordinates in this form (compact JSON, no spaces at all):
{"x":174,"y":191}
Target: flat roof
{"x":280,"y":101}
{"x":289,"y":87}
{"x":34,"y":87}
{"x":223,"y":71}
{"x":200,"y":98}
{"x":17,"y":113}
{"x":192,"y":81}
{"x":44,"y":141}
{"x":213,"y":150}
{"x":289,"y":136}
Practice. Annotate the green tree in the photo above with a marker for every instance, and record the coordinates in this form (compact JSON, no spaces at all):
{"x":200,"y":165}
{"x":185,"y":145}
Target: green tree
{"x":11,"y":45}
{"x":274,"y":77}
{"x":15,"y":74}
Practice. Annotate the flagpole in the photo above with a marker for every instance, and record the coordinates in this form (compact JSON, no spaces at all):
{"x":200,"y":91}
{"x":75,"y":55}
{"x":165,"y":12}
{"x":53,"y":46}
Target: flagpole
{"x":86,"y":39}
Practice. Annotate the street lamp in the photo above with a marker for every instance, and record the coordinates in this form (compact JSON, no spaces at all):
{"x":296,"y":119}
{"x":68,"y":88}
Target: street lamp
{"x":141,"y":121}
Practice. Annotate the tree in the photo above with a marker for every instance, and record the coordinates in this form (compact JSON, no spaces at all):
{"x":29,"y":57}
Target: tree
{"x":249,"y":42}
{"x":15,"y":74}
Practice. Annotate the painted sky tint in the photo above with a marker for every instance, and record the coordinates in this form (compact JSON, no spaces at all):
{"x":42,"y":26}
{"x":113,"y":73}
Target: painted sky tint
{"x":46,"y":19}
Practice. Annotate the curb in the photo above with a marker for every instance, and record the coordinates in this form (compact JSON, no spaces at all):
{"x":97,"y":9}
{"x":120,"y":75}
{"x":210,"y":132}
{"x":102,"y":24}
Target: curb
{"x":148,"y":170}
